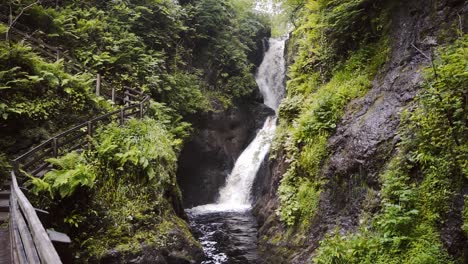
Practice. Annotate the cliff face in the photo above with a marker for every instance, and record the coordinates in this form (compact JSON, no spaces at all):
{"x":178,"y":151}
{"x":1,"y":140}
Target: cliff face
{"x":209,"y":156}
{"x":364,"y":141}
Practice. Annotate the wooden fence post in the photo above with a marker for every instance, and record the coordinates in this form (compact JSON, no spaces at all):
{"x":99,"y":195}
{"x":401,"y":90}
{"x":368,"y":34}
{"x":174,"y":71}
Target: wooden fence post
{"x":90,"y":128}
{"x":58,"y":55}
{"x":122,"y":115}
{"x":15,"y":166}
{"x":54,"y":147}
{"x":98,"y":84}
{"x":113,"y":94}
{"x":126,"y":98}
{"x":141,"y":110}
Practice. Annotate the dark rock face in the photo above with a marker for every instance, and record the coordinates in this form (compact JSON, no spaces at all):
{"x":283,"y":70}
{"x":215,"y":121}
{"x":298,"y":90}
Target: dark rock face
{"x":366,"y":137}
{"x":210,"y":155}
{"x":181,"y":251}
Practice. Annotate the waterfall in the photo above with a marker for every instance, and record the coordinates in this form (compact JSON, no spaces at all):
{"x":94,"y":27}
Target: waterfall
{"x":236,"y":194}
{"x":271,"y":73}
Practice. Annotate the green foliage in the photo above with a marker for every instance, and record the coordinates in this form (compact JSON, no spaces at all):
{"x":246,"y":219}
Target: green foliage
{"x":172,"y":122}
{"x":314,"y":113}
{"x":159,"y":44}
{"x":184,"y":90}
{"x":120,"y":193}
{"x":225,"y":39}
{"x":329,"y":32}
{"x":4,"y":168}
{"x":36,"y":95}
{"x":72,"y":172}
{"x":434,"y":144}
{"x":140,"y":149}
{"x":35,"y":89}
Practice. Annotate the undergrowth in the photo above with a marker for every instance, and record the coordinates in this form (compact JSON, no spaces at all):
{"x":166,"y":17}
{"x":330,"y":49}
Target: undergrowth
{"x":121,"y":194}
{"x":306,"y":138}
{"x":420,"y":183}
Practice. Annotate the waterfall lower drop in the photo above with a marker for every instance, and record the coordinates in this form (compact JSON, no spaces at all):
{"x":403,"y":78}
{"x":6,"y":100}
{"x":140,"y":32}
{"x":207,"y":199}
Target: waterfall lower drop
{"x":226,"y":229}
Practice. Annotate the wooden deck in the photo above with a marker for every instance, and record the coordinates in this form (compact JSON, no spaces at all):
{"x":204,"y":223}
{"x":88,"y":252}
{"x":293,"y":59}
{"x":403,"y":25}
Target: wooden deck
{"x":5,"y":252}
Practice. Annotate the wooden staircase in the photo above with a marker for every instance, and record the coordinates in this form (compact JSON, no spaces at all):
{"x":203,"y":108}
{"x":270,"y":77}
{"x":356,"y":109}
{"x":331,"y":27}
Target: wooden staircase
{"x":5,"y":252}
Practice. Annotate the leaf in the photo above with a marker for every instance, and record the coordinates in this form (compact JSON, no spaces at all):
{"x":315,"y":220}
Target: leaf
{"x":35,"y":78}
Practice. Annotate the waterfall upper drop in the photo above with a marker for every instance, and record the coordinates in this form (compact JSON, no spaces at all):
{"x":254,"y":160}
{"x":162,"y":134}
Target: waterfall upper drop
{"x":271,"y":74}
{"x":236,"y":194}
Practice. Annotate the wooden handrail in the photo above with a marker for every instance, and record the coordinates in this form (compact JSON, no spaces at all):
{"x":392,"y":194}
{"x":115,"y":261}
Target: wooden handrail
{"x":26,"y":223}
{"x":29,"y":238}
{"x":47,"y":146}
{"x":30,"y":242}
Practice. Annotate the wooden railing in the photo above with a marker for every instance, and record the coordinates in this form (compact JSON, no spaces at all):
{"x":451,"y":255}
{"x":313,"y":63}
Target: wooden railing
{"x":136,"y":104}
{"x":30,"y":242}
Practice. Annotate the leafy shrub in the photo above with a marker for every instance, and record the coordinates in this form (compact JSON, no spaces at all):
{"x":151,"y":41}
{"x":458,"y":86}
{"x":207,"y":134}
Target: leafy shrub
{"x":121,"y":192}
{"x":71,"y":172}
{"x":406,"y":229}
{"x":318,"y":112}
{"x":4,"y":168}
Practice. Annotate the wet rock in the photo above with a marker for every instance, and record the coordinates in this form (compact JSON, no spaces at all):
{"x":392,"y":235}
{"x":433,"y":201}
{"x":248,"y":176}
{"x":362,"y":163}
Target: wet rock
{"x":209,"y":156}
{"x":365,"y":139}
{"x":180,"y":251}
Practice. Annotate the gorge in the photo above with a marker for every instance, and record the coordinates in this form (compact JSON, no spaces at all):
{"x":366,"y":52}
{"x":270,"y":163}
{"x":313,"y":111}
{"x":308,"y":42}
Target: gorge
{"x":227,"y":229}
{"x":271,"y":131}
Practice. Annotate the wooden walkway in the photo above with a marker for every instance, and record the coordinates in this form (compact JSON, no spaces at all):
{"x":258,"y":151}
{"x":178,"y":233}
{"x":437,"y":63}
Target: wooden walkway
{"x":5,"y":252}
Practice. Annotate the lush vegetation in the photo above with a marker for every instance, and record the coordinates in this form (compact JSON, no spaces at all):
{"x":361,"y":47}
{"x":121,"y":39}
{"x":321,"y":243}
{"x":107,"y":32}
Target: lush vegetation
{"x":186,"y":55}
{"x":336,"y":50}
{"x":434,"y":143}
{"x":119,"y":195}
{"x":317,"y":97}
{"x":190,"y":56}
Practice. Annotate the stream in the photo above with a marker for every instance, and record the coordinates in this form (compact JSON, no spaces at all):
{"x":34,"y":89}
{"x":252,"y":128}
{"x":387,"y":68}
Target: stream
{"x":227,"y":229}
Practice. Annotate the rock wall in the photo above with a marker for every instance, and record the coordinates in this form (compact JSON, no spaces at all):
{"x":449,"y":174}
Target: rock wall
{"x":365,"y":139}
{"x":209,"y":156}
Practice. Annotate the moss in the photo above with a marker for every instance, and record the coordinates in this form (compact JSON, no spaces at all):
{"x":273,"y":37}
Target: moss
{"x":119,"y":196}
{"x":406,"y":230}
{"x":305,"y":139}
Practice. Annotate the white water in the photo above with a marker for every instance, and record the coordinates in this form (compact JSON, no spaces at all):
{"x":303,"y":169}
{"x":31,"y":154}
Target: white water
{"x":235,"y":196}
{"x":271,"y":74}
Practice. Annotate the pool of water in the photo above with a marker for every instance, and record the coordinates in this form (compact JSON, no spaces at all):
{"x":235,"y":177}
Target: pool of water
{"x":226,"y":237}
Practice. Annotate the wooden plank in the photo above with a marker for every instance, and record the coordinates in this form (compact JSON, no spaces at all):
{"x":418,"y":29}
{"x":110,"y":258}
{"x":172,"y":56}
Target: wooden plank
{"x":116,"y":112}
{"x":44,"y":246}
{"x":98,"y":84}
{"x":73,"y":129}
{"x":137,"y":97}
{"x":26,"y":238}
{"x":58,"y":237}
{"x":134,"y":90}
{"x":78,"y":146}
{"x":73,"y":139}
{"x":18,"y":254}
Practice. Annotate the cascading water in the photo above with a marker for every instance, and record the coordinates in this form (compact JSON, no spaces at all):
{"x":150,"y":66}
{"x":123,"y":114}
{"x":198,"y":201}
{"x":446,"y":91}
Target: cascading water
{"x":271,"y":74}
{"x":226,"y":229}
